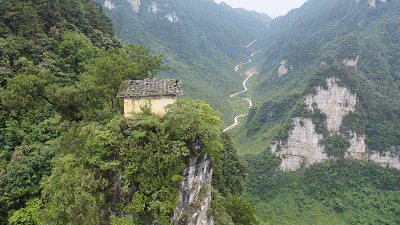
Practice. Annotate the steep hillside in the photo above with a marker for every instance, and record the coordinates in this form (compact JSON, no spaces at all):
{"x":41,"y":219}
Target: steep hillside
{"x":325,"y":126}
{"x":201,"y":40}
{"x":66,"y":154}
{"x":363,"y":38}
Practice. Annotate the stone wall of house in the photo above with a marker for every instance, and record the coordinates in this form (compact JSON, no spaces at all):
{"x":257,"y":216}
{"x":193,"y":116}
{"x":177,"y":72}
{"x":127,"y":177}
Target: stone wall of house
{"x":132,"y":106}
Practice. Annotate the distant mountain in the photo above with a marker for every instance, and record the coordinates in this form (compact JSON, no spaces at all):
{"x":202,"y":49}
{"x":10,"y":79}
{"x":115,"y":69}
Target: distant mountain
{"x":360,"y":36}
{"x":328,"y":96}
{"x":251,"y":17}
{"x":201,"y":40}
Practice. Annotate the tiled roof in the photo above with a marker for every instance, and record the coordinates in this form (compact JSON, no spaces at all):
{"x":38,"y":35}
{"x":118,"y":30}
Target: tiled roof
{"x":150,"y":88}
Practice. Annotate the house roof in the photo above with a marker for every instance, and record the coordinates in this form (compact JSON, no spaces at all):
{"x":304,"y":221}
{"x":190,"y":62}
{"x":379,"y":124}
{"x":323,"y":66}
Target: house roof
{"x":149,"y":87}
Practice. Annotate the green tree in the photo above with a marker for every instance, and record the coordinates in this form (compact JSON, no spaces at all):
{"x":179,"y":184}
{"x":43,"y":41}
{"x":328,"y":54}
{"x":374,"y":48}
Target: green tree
{"x":74,"y":50}
{"x":27,"y":90}
{"x":241,"y":211}
{"x":194,"y":120}
{"x":28,"y":215}
{"x":22,"y":17}
{"x":231,"y":176}
{"x":73,"y":193}
{"x":115,"y":65}
{"x":349,"y":47}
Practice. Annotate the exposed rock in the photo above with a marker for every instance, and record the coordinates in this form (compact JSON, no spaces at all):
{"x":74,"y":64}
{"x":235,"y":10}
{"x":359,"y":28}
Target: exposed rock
{"x":119,"y":195}
{"x":372,"y":3}
{"x":350,"y":62}
{"x":109,"y":5}
{"x":386,"y":159}
{"x":135,"y":5}
{"x":195,"y":193}
{"x":336,"y":102}
{"x":253,"y":70}
{"x":154,"y":8}
{"x":282,"y":69}
{"x":302,"y":146}
{"x":172,"y":17}
{"x":357,"y":147}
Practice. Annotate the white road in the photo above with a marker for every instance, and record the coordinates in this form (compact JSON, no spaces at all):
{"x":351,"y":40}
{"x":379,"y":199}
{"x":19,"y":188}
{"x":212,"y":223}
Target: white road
{"x":245,"y":89}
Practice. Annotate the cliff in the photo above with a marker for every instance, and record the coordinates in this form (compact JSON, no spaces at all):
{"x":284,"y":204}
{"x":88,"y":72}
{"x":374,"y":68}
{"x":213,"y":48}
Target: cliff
{"x":195,"y":192}
{"x":305,"y":146}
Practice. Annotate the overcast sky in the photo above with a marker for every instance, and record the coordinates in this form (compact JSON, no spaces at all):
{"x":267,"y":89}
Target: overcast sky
{"x":272,"y":8}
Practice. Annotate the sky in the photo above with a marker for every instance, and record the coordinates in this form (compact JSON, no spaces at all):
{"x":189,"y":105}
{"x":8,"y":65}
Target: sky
{"x":272,"y":8}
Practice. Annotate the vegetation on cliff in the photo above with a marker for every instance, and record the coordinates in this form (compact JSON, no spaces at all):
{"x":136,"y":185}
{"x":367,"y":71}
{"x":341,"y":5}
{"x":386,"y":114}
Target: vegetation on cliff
{"x":62,"y":142}
{"x":343,"y":191}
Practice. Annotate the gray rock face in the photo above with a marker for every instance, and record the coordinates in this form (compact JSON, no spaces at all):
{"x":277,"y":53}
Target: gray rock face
{"x":386,"y":159}
{"x":195,"y":192}
{"x":336,"y":102}
{"x":119,"y":196}
{"x":282,"y":69}
{"x":303,"y":148}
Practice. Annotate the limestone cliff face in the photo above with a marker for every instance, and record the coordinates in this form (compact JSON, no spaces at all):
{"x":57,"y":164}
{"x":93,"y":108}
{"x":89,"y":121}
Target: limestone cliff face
{"x":282,"y":69}
{"x":195,"y":192}
{"x":336,"y":102}
{"x":303,"y":145}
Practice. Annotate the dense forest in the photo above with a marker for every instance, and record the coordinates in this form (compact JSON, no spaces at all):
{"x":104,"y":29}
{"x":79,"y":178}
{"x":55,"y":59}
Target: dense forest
{"x":63,"y":143}
{"x":62,"y":139}
{"x":343,"y":191}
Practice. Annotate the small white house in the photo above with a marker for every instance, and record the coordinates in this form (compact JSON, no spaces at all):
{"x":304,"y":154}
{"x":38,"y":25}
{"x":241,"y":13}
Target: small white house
{"x":153,"y":92}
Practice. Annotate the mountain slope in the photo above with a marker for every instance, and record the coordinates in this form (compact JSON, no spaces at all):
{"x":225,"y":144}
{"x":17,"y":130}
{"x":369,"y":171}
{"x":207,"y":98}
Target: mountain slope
{"x":325,"y":126}
{"x":362,"y":37}
{"x":201,"y":40}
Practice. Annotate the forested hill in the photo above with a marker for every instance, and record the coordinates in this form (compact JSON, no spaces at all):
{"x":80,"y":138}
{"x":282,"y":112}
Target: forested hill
{"x":326,"y":116}
{"x":66,"y":156}
{"x":359,"y":35}
{"x":201,"y":40}
{"x":60,"y":67}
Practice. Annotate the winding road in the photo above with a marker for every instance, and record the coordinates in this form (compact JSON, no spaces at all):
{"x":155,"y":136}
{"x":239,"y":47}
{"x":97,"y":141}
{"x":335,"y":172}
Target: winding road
{"x":249,"y":73}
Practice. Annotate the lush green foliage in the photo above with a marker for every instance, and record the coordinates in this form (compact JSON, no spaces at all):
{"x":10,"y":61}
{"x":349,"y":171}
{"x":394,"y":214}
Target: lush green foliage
{"x":230,"y":210}
{"x":28,"y":215}
{"x":148,"y":153}
{"x":344,"y":191}
{"x":73,"y":193}
{"x":230,"y":177}
{"x":154,"y":153}
{"x":55,"y":66}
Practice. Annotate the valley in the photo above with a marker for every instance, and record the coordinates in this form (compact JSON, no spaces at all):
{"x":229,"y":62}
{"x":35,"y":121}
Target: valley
{"x":286,"y":120}
{"x":249,"y":73}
